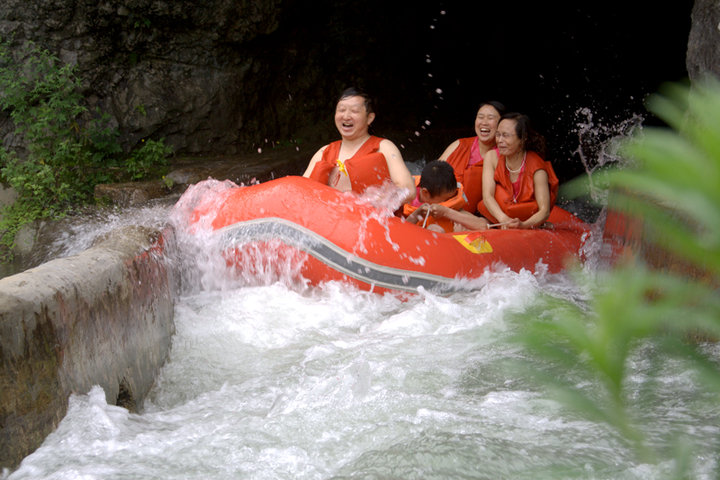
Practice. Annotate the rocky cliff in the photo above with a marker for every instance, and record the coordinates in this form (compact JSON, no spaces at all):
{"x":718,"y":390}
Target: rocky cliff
{"x":176,"y":69}
{"x":703,"y":53}
{"x":220,"y":76}
{"x":206,"y":76}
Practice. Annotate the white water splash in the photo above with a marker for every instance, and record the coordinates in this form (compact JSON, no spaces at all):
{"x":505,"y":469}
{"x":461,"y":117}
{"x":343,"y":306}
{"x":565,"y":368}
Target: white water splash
{"x":268,"y":382}
{"x":81,"y":232}
{"x":598,"y":144}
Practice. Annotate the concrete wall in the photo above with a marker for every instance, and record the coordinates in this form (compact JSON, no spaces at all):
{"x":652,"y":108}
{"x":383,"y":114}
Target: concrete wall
{"x":103,"y":317}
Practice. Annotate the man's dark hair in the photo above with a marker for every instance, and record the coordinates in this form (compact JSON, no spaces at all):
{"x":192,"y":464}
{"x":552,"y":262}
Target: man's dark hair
{"x":356,"y":92}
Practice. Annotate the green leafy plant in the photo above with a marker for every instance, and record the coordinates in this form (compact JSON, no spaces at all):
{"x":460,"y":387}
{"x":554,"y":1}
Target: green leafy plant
{"x":637,"y":311}
{"x":43,"y":101}
{"x":69,"y":149}
{"x":168,"y":182}
{"x":148,"y":160}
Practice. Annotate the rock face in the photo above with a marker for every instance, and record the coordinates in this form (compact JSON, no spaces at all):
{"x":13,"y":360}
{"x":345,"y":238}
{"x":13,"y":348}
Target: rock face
{"x":703,"y":53}
{"x":193,"y":73}
{"x":220,"y":76}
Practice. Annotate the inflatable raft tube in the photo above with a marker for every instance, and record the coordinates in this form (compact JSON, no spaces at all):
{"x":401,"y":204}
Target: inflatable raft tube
{"x":347,"y":239}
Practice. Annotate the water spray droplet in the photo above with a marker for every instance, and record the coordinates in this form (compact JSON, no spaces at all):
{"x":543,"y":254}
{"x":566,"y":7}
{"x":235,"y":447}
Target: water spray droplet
{"x":438,"y":91}
{"x":259,"y":149}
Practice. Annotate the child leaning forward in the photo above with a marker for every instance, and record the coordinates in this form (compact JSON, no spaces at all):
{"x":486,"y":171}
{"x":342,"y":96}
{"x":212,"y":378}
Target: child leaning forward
{"x":439,"y":202}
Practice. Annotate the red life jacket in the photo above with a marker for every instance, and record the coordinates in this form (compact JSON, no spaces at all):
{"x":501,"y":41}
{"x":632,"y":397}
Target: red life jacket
{"x":469,"y":175}
{"x":524,"y":205}
{"x":366,"y":168}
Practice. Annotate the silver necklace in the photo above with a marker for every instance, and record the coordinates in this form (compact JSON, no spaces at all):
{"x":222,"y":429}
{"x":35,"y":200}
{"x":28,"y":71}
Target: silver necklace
{"x":519,"y":168}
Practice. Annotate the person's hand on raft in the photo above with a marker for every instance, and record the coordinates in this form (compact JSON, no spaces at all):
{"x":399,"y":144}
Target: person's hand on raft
{"x":509,"y":223}
{"x":513,"y":223}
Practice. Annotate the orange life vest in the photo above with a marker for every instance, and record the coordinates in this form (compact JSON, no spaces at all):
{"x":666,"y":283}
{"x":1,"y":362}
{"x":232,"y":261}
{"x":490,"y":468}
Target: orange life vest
{"x":456,"y":202}
{"x":522,"y":206}
{"x":366,"y":168}
{"x":469,"y":175}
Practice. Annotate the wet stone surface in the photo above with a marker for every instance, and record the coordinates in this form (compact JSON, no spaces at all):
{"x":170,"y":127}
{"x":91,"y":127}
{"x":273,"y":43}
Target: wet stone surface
{"x":248,"y":168}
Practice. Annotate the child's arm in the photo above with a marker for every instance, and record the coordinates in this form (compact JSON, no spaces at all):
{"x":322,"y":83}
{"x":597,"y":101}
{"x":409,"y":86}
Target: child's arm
{"x":465,"y":219}
{"x":419,"y":214}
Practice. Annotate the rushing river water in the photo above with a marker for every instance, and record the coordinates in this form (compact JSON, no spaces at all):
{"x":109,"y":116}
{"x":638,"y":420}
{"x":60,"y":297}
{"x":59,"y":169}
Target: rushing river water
{"x":266,"y":382}
{"x":276,"y":381}
{"x":273,"y":380}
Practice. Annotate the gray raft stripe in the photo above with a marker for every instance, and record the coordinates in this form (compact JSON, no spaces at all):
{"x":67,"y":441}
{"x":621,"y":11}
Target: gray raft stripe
{"x":332,"y":255}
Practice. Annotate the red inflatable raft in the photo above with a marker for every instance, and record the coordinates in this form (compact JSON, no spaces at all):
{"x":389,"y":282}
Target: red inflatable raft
{"x":345,"y":238}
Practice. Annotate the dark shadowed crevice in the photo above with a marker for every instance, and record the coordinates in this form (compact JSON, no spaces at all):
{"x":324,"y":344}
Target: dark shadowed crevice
{"x":125,"y":396}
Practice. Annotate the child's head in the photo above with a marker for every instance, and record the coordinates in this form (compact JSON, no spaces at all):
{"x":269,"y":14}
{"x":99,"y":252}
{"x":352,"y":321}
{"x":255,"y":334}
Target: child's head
{"x":437,"y":182}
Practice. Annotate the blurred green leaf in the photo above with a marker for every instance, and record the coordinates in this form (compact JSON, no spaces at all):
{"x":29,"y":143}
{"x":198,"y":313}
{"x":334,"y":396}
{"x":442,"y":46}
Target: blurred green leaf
{"x":671,"y":182}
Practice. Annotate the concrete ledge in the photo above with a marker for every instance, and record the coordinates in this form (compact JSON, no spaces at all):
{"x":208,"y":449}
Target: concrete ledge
{"x":103,"y":317}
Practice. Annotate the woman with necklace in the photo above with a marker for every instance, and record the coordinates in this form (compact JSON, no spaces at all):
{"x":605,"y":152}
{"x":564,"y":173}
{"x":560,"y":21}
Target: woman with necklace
{"x":519,"y":187}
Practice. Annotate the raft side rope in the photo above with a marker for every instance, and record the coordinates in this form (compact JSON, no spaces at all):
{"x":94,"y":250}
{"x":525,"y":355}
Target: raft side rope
{"x":427,"y":215}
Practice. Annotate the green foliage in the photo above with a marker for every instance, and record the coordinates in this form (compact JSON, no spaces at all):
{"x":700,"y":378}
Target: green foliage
{"x":22,"y":212}
{"x":672,"y":184}
{"x":69,"y":150}
{"x":168,"y":182}
{"x":150,"y":159}
{"x":43,"y":101}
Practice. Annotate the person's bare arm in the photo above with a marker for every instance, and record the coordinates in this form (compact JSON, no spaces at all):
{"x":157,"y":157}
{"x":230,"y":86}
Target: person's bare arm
{"x":542,"y":197}
{"x":488,"y":187}
{"x":449,"y":150}
{"x":465,"y":219}
{"x":315,"y":159}
{"x":399,"y":172}
{"x":418,"y":214}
